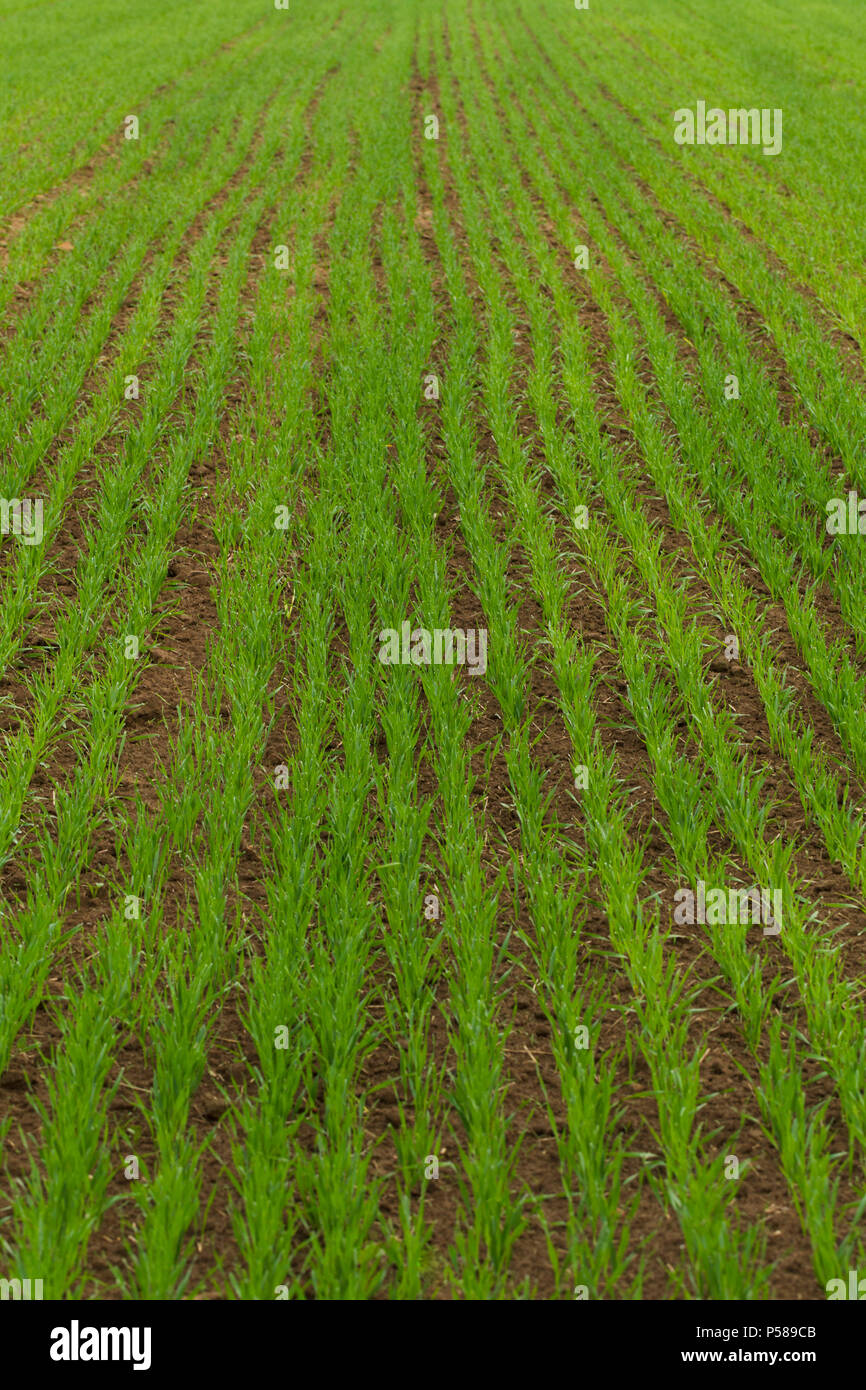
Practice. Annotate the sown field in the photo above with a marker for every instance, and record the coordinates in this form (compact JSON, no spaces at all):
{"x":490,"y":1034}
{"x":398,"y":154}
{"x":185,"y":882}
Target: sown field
{"x":341,"y":958}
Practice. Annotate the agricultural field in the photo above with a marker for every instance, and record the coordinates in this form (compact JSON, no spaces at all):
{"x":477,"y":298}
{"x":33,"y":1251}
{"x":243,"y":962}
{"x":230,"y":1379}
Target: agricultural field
{"x":433,"y":650}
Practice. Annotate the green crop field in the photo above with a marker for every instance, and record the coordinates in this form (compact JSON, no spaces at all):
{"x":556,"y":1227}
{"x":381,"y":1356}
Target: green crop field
{"x":433,"y":649}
